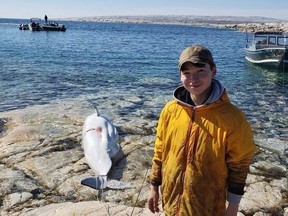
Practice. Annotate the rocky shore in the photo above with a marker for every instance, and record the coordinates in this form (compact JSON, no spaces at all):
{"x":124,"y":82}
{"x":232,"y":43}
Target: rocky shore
{"x":42,"y":162}
{"x":42,"y":165}
{"x":249,"y":24}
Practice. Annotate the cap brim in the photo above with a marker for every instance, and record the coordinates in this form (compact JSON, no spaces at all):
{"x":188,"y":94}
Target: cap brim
{"x":193,"y":61}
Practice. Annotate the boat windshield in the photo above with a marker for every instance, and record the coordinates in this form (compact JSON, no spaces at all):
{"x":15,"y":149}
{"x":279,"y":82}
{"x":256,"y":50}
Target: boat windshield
{"x":261,"y":40}
{"x":283,"y":41}
{"x":280,"y":40}
{"x":272,"y":40}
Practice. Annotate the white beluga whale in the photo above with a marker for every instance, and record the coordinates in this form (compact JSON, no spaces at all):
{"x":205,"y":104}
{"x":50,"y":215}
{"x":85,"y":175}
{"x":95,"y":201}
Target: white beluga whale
{"x":101,"y":148}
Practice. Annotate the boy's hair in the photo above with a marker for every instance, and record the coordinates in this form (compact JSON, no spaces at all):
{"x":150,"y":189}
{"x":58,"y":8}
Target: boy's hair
{"x":197,"y":55}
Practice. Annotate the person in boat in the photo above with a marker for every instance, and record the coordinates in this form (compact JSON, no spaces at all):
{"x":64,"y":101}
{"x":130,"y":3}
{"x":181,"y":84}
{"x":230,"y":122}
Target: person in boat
{"x":46,"y":18}
{"x":204,"y":145}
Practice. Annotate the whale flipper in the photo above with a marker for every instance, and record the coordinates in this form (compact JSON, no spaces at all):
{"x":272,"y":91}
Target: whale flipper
{"x":98,"y":182}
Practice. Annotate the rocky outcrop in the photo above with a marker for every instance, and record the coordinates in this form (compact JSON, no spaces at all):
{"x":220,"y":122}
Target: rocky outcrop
{"x":240,"y":23}
{"x":42,"y":165}
{"x":253,"y":27}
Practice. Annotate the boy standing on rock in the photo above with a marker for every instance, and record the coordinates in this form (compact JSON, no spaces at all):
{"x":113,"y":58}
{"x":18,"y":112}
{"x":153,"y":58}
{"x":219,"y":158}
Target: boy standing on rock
{"x":204,"y":145}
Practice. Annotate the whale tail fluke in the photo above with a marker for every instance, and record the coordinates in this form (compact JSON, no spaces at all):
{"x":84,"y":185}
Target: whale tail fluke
{"x":102,"y":182}
{"x":98,"y":182}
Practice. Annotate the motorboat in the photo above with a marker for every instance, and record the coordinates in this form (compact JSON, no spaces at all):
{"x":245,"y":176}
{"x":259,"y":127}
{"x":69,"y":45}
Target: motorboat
{"x":34,"y":24}
{"x":268,"y":48}
{"x":23,"y":27}
{"x":53,"y":26}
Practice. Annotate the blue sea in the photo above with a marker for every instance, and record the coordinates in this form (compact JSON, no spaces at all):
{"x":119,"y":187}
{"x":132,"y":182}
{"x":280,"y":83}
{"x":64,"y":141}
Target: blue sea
{"x":115,"y":59}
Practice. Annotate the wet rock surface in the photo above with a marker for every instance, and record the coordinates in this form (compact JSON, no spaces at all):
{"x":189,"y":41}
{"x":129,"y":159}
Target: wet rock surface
{"x":42,"y":165}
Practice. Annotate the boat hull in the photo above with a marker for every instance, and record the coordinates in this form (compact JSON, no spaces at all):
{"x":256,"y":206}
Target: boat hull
{"x":271,"y":56}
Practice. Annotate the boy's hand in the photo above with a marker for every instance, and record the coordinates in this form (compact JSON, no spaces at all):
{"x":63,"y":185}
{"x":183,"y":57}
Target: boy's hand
{"x":232,"y":209}
{"x":153,"y":199}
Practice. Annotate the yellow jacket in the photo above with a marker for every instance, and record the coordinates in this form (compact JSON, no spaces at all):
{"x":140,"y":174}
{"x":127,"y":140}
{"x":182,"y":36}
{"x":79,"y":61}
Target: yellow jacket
{"x":199,"y":153}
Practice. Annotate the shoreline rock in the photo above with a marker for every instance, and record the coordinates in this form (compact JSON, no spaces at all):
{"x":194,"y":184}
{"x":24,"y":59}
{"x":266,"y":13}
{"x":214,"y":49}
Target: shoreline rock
{"x":239,"y":23}
{"x":42,"y":165}
{"x":253,"y":27}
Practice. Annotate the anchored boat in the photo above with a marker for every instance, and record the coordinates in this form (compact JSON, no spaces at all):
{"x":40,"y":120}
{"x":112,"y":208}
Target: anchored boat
{"x":35,"y":25}
{"x":268,"y":48}
{"x":53,"y":26}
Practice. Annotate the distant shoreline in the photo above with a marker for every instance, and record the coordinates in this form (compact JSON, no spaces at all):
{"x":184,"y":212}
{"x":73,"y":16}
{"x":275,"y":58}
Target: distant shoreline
{"x":240,"y":23}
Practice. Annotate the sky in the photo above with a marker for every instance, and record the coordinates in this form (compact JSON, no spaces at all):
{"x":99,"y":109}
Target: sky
{"x":85,"y":8}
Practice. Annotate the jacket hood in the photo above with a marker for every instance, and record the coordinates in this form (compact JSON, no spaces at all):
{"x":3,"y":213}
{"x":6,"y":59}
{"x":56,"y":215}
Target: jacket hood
{"x":183,"y":96}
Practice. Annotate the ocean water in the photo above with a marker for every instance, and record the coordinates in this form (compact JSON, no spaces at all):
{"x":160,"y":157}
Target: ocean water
{"x":117,"y":60}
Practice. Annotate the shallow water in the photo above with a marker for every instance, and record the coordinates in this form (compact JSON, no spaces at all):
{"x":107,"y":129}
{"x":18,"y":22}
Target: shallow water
{"x":102,"y":62}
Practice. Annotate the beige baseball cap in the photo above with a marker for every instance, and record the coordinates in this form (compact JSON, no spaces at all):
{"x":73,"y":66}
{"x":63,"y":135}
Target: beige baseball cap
{"x":196,"y":54}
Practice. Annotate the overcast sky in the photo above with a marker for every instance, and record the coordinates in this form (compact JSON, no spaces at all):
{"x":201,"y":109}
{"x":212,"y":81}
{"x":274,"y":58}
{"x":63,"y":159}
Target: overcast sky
{"x":81,"y":8}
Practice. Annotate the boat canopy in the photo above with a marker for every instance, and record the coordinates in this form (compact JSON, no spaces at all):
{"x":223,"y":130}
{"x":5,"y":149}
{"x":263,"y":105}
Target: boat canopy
{"x":270,"y":38}
{"x":268,"y":33}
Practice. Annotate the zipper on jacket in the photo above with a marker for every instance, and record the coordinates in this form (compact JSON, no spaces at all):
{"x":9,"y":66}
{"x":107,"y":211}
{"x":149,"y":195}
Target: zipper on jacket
{"x":195,"y":144}
{"x":186,"y":160}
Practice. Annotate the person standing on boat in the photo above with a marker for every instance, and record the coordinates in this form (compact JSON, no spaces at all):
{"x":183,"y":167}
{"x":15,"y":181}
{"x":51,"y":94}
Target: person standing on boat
{"x":46,"y":19}
{"x":204,"y":145}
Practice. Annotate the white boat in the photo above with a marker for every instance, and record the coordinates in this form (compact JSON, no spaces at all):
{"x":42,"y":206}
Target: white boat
{"x":34,"y":24}
{"x":53,"y":26}
{"x":268,"y":48}
{"x":23,"y":27}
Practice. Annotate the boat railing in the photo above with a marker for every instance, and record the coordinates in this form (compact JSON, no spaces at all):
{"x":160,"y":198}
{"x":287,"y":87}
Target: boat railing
{"x":270,"y":46}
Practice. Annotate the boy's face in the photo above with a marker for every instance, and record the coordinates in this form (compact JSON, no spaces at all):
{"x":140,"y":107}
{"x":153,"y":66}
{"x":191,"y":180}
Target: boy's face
{"x":197,"y":80}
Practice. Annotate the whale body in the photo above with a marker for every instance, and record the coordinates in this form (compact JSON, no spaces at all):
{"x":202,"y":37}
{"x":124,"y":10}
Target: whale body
{"x":101,"y":149}
{"x":100,"y":143}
